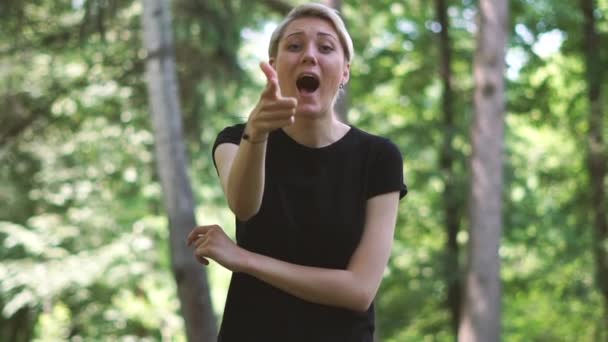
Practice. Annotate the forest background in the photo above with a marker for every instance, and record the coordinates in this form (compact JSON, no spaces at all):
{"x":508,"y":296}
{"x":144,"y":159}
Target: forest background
{"x":84,"y":238}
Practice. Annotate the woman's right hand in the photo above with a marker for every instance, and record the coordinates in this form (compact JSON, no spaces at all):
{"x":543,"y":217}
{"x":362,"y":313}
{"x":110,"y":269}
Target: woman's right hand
{"x":273,"y":111}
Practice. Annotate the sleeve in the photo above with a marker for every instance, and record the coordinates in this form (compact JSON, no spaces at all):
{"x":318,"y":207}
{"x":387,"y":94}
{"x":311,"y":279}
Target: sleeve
{"x":386,"y":171}
{"x":230,"y":135}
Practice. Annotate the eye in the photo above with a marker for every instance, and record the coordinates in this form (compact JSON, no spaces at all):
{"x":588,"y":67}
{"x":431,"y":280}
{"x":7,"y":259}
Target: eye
{"x":293,"y":46}
{"x":326,"y":48}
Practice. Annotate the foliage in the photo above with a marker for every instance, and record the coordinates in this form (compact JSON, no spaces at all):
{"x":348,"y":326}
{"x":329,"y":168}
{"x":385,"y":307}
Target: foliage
{"x":83,"y":239}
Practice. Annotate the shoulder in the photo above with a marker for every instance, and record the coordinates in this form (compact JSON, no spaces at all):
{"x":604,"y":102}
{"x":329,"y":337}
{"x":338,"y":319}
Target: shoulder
{"x":230,"y":135}
{"x":375,"y":143}
{"x":232,"y":131}
{"x":385,"y":164}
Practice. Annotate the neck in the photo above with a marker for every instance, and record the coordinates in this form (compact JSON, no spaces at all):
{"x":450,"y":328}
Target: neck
{"x":316,"y":132}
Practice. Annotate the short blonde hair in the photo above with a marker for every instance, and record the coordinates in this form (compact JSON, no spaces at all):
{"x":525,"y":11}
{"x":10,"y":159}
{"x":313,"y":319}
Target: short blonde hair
{"x":317,"y":11}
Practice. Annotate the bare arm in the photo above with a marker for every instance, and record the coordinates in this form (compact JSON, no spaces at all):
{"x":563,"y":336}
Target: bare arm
{"x":241,"y":167}
{"x":241,"y":172}
{"x":353,"y":288}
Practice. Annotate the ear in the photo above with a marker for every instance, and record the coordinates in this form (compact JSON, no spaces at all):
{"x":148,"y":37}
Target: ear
{"x":271,"y":62}
{"x":346,"y":73}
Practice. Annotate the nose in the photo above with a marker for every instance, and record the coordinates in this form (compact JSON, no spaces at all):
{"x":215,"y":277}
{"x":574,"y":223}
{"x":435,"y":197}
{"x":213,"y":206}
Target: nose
{"x":309,"y":55}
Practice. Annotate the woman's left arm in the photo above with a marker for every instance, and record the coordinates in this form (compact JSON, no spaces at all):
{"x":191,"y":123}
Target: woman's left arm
{"x":353,"y":288}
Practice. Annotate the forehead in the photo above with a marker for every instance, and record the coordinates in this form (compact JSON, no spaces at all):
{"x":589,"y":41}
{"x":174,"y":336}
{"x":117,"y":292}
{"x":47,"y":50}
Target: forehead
{"x":311,"y":26}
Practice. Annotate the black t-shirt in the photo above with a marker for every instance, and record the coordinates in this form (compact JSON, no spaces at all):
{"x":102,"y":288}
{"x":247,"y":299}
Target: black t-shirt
{"x":312,"y":213}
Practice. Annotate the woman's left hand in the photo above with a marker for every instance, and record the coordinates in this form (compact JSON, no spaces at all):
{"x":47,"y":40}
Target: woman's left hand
{"x":211,"y":242}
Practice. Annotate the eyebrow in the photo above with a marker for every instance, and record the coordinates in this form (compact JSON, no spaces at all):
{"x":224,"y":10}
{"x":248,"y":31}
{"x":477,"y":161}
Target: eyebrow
{"x":324,"y":34}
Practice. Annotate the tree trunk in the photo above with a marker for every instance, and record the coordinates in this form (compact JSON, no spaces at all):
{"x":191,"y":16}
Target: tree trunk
{"x":480,"y":319}
{"x":451,"y":206}
{"x":20,"y":326}
{"x":191,"y":279}
{"x":280,"y":6}
{"x":596,"y":154}
{"x":342,"y":103}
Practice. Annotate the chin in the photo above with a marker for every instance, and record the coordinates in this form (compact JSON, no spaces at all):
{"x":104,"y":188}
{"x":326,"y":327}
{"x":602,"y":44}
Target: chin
{"x":309,"y":113}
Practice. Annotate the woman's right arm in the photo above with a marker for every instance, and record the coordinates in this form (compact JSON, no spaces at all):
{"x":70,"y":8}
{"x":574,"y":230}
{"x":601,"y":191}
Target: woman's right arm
{"x":241,"y":167}
{"x":241,"y":171}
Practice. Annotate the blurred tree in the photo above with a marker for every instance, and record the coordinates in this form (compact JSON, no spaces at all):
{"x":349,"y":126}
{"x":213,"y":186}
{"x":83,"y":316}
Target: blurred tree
{"x":481,"y":311}
{"x":452,"y":207}
{"x":341,"y":105}
{"x":80,"y":198}
{"x":76,"y":147}
{"x":596,"y":152}
{"x":279,"y":6}
{"x":190,"y":276}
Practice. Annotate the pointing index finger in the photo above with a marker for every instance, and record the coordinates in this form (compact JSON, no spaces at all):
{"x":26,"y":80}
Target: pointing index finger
{"x":272,"y":81}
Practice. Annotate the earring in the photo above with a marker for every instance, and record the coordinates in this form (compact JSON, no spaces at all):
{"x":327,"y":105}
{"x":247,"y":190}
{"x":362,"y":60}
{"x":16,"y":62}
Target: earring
{"x":341,"y":85}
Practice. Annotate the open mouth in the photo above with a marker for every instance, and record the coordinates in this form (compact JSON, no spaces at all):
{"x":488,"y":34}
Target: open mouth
{"x":307,"y":83}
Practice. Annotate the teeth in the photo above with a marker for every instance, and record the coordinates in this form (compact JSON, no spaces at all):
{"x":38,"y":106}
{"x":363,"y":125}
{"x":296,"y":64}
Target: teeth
{"x":308,"y":75}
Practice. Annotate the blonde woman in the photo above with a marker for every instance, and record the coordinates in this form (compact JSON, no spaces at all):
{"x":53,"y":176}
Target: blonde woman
{"x":315,"y":199}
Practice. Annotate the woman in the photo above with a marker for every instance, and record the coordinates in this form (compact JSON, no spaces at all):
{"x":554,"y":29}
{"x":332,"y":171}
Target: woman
{"x":315,"y":199}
